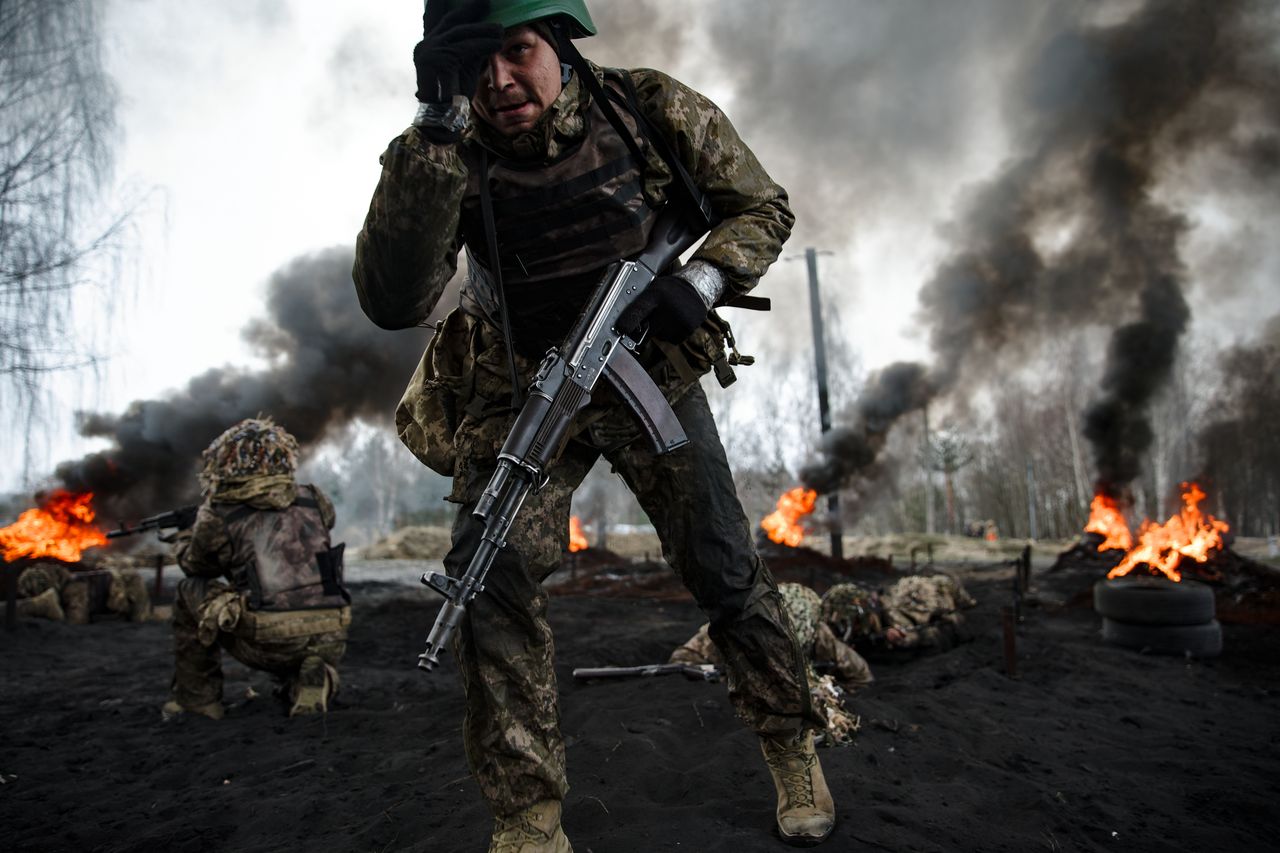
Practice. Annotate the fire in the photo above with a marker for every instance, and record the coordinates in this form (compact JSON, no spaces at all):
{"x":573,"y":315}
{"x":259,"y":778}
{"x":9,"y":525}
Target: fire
{"x":577,"y":539}
{"x":1190,"y":533}
{"x":1106,"y":519}
{"x":783,"y":524}
{"x":62,"y":528}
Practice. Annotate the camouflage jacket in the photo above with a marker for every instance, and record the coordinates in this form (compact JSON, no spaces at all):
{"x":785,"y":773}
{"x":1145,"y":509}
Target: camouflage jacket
{"x":455,"y":410}
{"x":207,"y":550}
{"x":407,"y":251}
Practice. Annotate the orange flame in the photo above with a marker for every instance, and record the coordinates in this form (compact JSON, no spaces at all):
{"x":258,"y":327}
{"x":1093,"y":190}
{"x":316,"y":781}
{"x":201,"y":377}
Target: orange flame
{"x":783,"y":524}
{"x":1107,"y":520}
{"x":61,"y":528}
{"x":1190,"y":533}
{"x":577,"y":539}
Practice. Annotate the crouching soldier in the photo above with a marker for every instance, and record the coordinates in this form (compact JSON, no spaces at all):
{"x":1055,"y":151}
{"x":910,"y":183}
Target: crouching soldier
{"x":262,"y":580}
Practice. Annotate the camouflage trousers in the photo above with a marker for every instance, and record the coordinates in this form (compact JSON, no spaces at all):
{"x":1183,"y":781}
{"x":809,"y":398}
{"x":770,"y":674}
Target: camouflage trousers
{"x":504,"y":644}
{"x":208,"y":617}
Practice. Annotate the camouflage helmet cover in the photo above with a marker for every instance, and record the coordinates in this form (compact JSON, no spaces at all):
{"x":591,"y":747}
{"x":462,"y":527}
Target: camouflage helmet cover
{"x":851,"y":611}
{"x":513,"y":13}
{"x":254,"y":447}
{"x":802,"y":606}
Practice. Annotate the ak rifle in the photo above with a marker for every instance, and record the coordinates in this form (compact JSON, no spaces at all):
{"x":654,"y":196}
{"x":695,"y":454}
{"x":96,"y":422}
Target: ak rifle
{"x":180,"y":518}
{"x":560,"y":389}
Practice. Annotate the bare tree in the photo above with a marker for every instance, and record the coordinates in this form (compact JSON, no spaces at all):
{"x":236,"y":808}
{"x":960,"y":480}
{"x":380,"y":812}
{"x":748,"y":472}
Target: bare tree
{"x":57,"y":118}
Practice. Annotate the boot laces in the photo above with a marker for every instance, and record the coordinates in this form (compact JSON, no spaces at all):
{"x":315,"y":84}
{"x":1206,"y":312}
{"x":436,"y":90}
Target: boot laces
{"x":512,"y":833}
{"x":794,"y":766}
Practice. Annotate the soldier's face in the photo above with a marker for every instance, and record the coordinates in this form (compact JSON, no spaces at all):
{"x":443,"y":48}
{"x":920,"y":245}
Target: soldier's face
{"x":519,"y":82}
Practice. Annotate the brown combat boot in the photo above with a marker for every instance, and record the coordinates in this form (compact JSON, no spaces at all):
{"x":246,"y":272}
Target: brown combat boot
{"x":174,"y":709}
{"x":311,"y":689}
{"x":43,"y":606}
{"x":534,"y":830}
{"x":806,"y":814}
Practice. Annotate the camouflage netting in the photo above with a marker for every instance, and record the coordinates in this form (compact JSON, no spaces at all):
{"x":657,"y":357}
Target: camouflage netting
{"x":851,"y":611}
{"x":253,"y":448}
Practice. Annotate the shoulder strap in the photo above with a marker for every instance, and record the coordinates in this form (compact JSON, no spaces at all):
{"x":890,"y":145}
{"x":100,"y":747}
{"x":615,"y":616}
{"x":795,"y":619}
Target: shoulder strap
{"x":698,"y":205}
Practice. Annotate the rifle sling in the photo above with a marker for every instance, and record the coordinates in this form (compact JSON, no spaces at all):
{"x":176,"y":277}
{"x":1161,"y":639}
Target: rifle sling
{"x":495,"y":262}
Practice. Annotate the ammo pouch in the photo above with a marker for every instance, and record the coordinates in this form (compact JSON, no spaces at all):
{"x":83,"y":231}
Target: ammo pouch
{"x":263,"y":626}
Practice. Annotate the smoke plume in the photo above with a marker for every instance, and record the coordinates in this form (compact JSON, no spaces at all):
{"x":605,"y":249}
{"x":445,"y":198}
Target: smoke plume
{"x":1073,"y":231}
{"x":327,"y":364}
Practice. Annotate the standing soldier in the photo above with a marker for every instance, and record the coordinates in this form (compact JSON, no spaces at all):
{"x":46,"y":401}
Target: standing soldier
{"x":547,"y":169}
{"x":262,"y":581}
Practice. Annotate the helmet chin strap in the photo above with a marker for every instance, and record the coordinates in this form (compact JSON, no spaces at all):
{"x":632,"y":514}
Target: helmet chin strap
{"x":566,"y":73}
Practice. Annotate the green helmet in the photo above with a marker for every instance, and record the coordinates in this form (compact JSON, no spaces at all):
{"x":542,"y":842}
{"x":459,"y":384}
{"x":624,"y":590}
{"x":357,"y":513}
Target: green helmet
{"x":513,"y":13}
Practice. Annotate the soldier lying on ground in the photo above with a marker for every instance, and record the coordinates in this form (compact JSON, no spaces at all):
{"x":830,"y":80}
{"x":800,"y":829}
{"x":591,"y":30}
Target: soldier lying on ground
{"x":262,"y":581}
{"x":916,"y":612}
{"x":50,"y":591}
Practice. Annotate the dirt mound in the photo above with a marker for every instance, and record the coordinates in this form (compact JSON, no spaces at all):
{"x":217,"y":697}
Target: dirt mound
{"x":410,"y":543}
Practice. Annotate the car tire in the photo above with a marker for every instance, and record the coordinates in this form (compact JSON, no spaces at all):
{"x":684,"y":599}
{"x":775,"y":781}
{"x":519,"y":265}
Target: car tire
{"x":1153,"y":601}
{"x":1202,"y":641}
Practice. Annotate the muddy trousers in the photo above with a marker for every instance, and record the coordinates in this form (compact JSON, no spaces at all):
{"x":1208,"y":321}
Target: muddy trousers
{"x":504,"y":647}
{"x":197,"y":674}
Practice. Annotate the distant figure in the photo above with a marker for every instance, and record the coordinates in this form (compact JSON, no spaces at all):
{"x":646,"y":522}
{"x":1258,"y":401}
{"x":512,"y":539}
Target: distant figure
{"x":992,"y":531}
{"x":916,"y":612}
{"x":262,"y":580}
{"x":50,"y":591}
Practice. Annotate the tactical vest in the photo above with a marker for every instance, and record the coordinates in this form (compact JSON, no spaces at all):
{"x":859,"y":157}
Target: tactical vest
{"x":558,"y":224}
{"x":282,"y":557}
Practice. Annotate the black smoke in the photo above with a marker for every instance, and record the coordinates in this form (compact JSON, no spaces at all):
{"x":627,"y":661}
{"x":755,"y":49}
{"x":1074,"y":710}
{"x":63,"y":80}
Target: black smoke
{"x":326,"y":365}
{"x":1074,"y":230}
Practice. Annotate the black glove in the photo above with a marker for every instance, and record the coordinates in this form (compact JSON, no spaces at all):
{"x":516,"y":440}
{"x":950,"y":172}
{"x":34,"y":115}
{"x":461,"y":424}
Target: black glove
{"x":671,"y":307}
{"x":453,"y":50}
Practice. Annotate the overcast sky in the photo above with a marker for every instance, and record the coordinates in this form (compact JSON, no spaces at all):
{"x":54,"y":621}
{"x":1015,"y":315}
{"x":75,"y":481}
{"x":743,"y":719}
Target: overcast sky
{"x":255,"y":128}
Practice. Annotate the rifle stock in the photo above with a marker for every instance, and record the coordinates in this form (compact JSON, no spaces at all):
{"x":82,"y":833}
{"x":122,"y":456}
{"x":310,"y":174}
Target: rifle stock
{"x":561,"y":388}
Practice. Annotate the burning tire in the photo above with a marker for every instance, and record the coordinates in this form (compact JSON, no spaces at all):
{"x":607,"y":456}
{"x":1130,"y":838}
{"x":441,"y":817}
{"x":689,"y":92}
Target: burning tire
{"x":1204,"y":640}
{"x":1153,"y":601}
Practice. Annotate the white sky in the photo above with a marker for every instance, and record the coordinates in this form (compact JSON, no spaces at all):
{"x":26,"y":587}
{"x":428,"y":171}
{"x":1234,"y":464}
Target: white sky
{"x":256,"y":125}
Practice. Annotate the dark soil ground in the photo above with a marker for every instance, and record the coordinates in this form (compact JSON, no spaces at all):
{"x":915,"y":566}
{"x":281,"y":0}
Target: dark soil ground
{"x":1091,"y":748}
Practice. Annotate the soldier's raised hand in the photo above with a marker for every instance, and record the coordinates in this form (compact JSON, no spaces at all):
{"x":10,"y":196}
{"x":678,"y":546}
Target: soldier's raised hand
{"x":455,"y":43}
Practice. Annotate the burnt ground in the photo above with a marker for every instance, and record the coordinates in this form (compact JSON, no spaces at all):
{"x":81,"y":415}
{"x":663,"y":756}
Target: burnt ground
{"x":1091,"y":748}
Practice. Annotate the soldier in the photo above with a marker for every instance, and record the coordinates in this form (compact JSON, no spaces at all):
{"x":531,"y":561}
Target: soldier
{"x":822,"y":647}
{"x":521,"y":145}
{"x":51,"y":591}
{"x":918,"y":612}
{"x":844,"y":669}
{"x":261,"y":580}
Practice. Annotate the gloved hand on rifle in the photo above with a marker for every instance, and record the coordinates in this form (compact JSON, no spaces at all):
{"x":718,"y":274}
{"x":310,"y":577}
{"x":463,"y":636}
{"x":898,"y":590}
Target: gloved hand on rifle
{"x":670,"y":306}
{"x":449,"y":60}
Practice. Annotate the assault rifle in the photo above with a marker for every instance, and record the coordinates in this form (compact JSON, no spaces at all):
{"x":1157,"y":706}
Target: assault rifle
{"x":692,"y":671}
{"x":181,"y":518}
{"x":560,"y":389}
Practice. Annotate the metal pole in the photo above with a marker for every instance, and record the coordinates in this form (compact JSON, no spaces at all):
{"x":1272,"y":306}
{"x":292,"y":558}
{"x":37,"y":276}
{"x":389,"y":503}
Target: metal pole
{"x":824,"y":404}
{"x":11,"y":572}
{"x":928,"y":475}
{"x":1031,"y":502}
